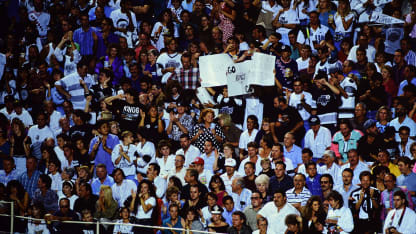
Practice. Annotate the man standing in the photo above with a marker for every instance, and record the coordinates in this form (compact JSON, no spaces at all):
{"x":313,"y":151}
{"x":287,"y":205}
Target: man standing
{"x":401,"y":219}
{"x":346,"y":187}
{"x":101,"y":179}
{"x":252,"y":150}
{"x":241,"y":196}
{"x":230,"y":174}
{"x":331,"y":167}
{"x":191,"y":177}
{"x":403,"y":120}
{"x":189,"y":151}
{"x":209,"y":155}
{"x":313,"y":179}
{"x":344,"y":140}
{"x":407,"y":178}
{"x":239,"y":224}
{"x":29,"y":179}
{"x":179,"y":170}
{"x":291,"y":150}
{"x":280,"y":181}
{"x":85,"y":37}
{"x":355,"y":164}
{"x":318,"y":138}
{"x":250,"y":177}
{"x":276,"y":211}
{"x":37,"y":135}
{"x":252,"y":210}
{"x":365,"y":203}
{"x":71,"y":88}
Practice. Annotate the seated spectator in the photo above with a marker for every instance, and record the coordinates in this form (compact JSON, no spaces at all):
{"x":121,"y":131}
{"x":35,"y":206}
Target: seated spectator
{"x":218,"y":223}
{"x":122,"y":188}
{"x":17,"y":194}
{"x":175,"y":221}
{"x":45,"y":195}
{"x":86,"y":199}
{"x":299,"y":195}
{"x":29,"y":179}
{"x":106,"y":206}
{"x":124,"y":219}
{"x":38,"y":212}
{"x":63,"y":214}
{"x":9,"y":171}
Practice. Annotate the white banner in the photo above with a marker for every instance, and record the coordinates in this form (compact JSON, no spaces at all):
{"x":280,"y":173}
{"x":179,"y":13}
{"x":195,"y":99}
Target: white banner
{"x":381,"y":18}
{"x":262,"y":67}
{"x":238,"y":77}
{"x":213,"y":69}
{"x":220,"y":69}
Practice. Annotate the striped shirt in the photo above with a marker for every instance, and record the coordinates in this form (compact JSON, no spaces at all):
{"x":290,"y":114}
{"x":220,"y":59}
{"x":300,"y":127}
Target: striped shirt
{"x":84,"y":40}
{"x":71,"y":84}
{"x":302,"y":197}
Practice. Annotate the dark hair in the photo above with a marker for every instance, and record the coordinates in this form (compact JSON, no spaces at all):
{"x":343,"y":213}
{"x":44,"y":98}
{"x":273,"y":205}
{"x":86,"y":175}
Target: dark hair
{"x":255,"y":119}
{"x":349,"y":170}
{"x":216,"y":178}
{"x":307,"y":151}
{"x":405,"y":128}
{"x":336,"y":196}
{"x":365,"y":173}
{"x":329,"y":176}
{"x":156,"y":167}
{"x":19,"y":187}
{"x":309,"y":164}
{"x":281,"y":163}
{"x":241,"y":215}
{"x":405,"y":160}
{"x":152,"y":191}
{"x":281,"y":192}
{"x":252,"y":144}
{"x":226,"y":198}
{"x":280,"y":146}
{"x":46,"y":180}
{"x":87,"y":187}
{"x":116,"y":170}
{"x":176,"y":182}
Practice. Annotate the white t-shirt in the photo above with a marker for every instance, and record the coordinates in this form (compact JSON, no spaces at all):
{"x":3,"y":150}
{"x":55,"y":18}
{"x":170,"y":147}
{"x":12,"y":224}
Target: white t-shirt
{"x":320,"y":143}
{"x":147,"y":149}
{"x":302,"y":64}
{"x":128,"y":167}
{"x":166,"y":60}
{"x":160,"y":44}
{"x":347,"y":104}
{"x":122,"y":192}
{"x":25,"y":117}
{"x":146,"y":215}
{"x":275,"y":218}
{"x":338,"y":23}
{"x":294,"y":101}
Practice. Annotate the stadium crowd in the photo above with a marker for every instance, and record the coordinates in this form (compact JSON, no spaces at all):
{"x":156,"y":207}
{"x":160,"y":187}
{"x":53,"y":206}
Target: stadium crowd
{"x":101,"y":116}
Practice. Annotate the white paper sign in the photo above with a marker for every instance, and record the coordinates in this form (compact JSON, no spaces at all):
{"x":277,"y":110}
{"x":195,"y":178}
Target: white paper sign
{"x":238,"y":78}
{"x":261,"y":72}
{"x":213,"y":69}
{"x":384,"y":19}
{"x":203,"y":96}
{"x":219,"y":70}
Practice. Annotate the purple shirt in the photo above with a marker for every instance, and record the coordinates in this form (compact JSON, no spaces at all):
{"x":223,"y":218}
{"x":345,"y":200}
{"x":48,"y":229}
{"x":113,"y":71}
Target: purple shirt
{"x":102,"y":156}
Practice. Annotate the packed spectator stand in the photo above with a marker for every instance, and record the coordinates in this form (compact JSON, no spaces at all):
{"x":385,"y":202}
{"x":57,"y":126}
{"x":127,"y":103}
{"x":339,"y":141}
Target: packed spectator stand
{"x":108,"y":116}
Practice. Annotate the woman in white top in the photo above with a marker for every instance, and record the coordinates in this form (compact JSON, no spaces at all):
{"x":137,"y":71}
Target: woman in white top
{"x":342,"y":23}
{"x":211,"y":199}
{"x":145,"y":150}
{"x":123,"y":155}
{"x":142,"y":204}
{"x":165,"y":160}
{"x":164,"y":28}
{"x":68,"y":191}
{"x":66,"y":52}
{"x":339,"y":217}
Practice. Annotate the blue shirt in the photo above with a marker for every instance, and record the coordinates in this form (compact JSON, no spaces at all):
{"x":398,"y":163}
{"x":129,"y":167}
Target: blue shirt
{"x":96,"y":184}
{"x":102,"y":156}
{"x":314,"y":185}
{"x":295,"y":154}
{"x":84,"y":40}
{"x":409,"y":181}
{"x":4,"y":179}
{"x":168,"y":220}
{"x":228,"y":216}
{"x":30,"y":183}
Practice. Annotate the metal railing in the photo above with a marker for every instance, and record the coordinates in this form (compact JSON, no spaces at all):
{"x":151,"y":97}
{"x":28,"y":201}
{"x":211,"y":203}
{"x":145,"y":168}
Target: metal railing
{"x":97,"y":223}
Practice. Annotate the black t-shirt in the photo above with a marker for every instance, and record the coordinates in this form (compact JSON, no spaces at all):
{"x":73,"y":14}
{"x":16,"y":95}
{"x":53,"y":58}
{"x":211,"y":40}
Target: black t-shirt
{"x":326,"y":101}
{"x":81,"y":130}
{"x":293,"y":118}
{"x":128,"y":115}
{"x":365,"y":149}
{"x":152,"y":133}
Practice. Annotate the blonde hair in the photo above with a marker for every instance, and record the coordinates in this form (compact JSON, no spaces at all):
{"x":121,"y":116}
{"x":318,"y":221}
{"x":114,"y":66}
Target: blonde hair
{"x":226,"y":118}
{"x":262,"y":179}
{"x":126,"y":134}
{"x":204,"y":113}
{"x":347,"y":10}
{"x":108,"y":195}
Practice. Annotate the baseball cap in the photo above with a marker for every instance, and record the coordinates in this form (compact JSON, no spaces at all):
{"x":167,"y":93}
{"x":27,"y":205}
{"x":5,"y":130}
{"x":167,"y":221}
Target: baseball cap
{"x":230,"y":162}
{"x":286,"y":48}
{"x":369,"y":123}
{"x":314,"y":120}
{"x":198,"y":160}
